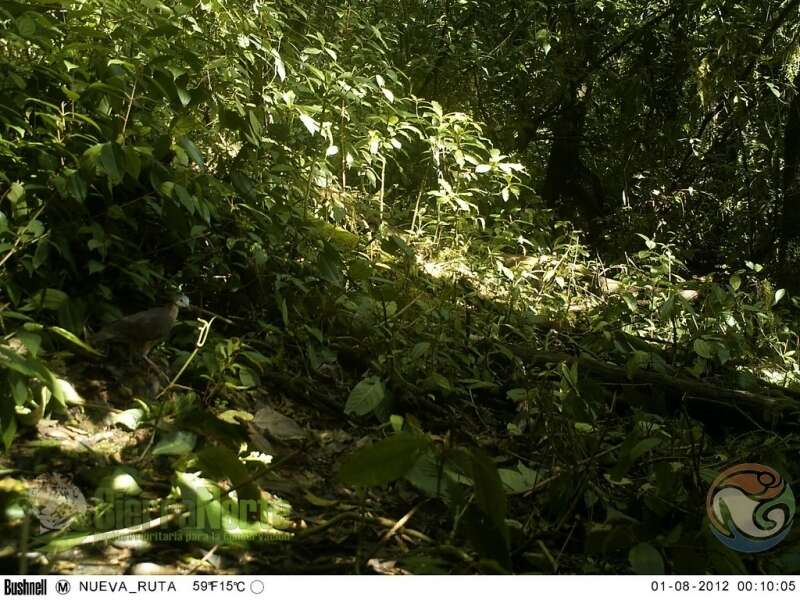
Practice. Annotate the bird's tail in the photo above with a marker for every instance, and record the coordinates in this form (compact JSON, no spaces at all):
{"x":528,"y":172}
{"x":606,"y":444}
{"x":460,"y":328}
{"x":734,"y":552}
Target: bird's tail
{"x":104,"y":335}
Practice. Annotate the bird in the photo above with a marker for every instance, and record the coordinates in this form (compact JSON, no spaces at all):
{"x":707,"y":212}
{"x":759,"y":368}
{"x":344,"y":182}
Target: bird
{"x":142,"y":330}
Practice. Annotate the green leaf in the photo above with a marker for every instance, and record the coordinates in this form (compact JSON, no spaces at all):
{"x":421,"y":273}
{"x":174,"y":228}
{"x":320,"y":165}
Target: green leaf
{"x":643,"y":447}
{"x":176,"y":444}
{"x":202,"y":498}
{"x":112,"y":161}
{"x":284,"y":312}
{"x":396,"y":421}
{"x":214,"y":513}
{"x":723,"y":354}
{"x":490,"y":542}
{"x":219,"y":462}
{"x":234,"y":417}
{"x":489,"y":490}
{"x":49,"y":298}
{"x":244,"y":185}
{"x":185,"y":198}
{"x":519,"y":480}
{"x":431,"y":476}
{"x":420,"y":350}
{"x":166,"y":188}
{"x":8,"y":420}
{"x":646,"y":560}
{"x":31,"y":341}
{"x":247,"y":377}
{"x":255,"y":125}
{"x":310,"y":123}
{"x":184,"y":96}
{"x":383,"y":462}
{"x":73,"y":339}
{"x":120,"y":482}
{"x":41,"y":254}
{"x":630,"y":301}
{"x":368,"y":394}
{"x":75,"y":185}
{"x":129,"y":419}
{"x":156,"y":5}
{"x":31,"y":368}
{"x":69,"y":393}
{"x":277,"y":425}
{"x":191,"y":150}
{"x":703,"y":348}
{"x":280,"y":68}
{"x":329,"y":264}
{"x":133,"y":164}
{"x":16,"y":192}
{"x":665,"y":312}
{"x":26,"y":25}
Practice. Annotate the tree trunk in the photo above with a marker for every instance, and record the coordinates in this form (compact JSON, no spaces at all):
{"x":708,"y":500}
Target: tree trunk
{"x":790,"y":230}
{"x":570,"y":187}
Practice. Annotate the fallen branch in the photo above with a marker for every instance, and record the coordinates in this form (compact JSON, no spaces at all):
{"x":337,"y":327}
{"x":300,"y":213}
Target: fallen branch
{"x":690,"y":387}
{"x":654,"y":346}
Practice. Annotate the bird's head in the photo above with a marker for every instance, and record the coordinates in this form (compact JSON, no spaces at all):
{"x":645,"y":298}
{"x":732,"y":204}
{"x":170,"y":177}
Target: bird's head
{"x":182,"y":301}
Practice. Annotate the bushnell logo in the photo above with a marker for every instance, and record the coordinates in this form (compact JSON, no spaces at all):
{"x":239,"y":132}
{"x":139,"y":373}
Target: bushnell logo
{"x":750,"y":508}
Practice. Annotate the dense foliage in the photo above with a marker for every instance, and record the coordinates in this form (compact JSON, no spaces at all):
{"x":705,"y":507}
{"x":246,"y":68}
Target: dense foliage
{"x":522,"y":274}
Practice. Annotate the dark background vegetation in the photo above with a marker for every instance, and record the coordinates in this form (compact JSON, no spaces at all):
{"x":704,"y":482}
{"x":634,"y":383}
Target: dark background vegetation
{"x":496,"y":286}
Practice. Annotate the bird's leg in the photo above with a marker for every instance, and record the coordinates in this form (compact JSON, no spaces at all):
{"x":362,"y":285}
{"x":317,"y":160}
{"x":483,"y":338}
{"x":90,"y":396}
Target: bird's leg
{"x":143,"y":350}
{"x":156,"y":368}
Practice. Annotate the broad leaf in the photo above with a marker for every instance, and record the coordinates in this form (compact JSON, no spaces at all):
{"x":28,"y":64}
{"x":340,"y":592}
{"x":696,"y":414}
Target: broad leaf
{"x":385,"y":461}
